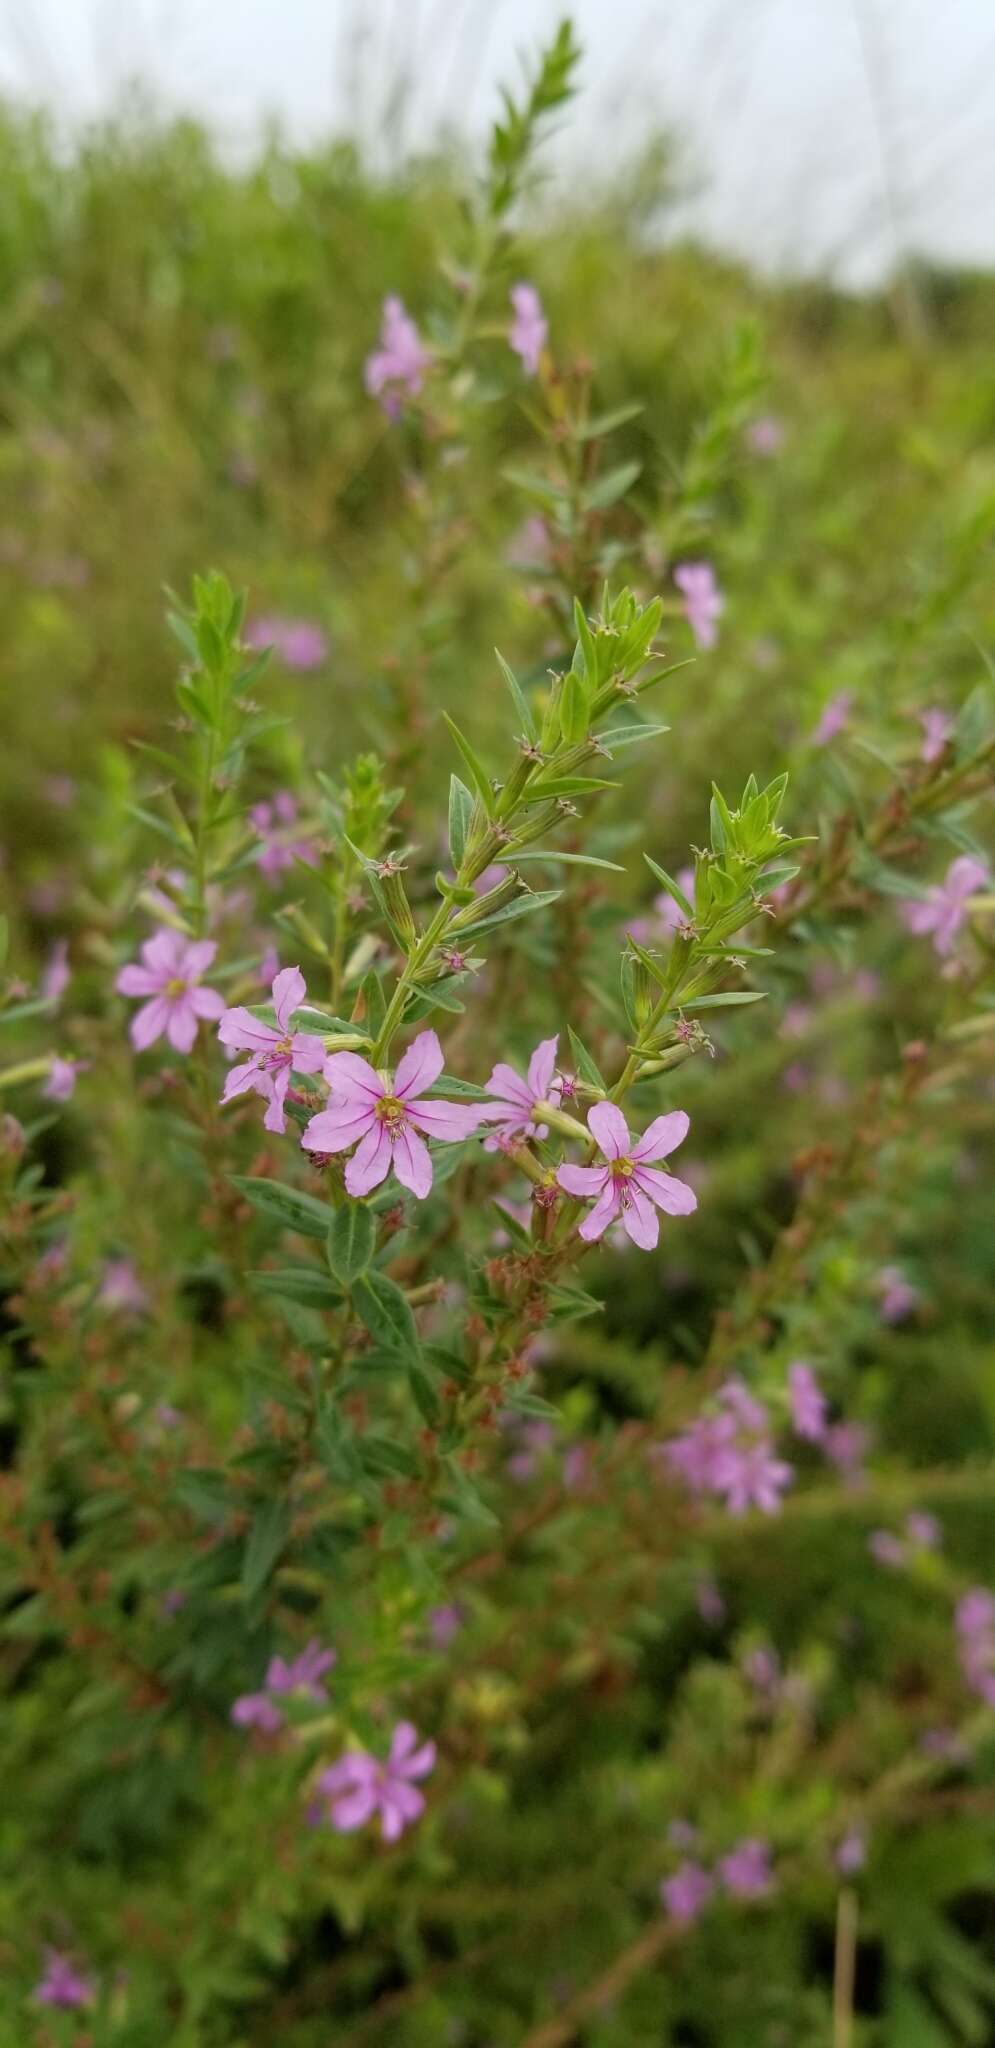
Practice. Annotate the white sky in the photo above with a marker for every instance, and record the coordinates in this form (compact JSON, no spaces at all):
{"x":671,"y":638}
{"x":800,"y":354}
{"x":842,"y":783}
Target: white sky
{"x":820,"y":133}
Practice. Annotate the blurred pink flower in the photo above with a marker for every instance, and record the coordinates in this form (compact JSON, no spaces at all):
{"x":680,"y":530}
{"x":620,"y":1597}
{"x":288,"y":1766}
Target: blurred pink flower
{"x":974,"y":1620}
{"x":944,"y":908}
{"x":765,"y":436}
{"x":851,"y":1852}
{"x":299,"y":643}
{"x":169,"y":975}
{"x":529,"y":328}
{"x":55,"y":974}
{"x":729,"y":1453}
{"x":359,"y":1786}
{"x":398,"y":366}
{"x":667,"y":914}
{"x":275,"y":823}
{"x":630,"y":1185}
{"x":899,"y":1299}
{"x":61,"y":1082}
{"x":808,"y":1403}
{"x":937,"y":727}
{"x":62,"y":1984}
{"x":834,"y":718}
{"x":120,"y":1288}
{"x":746,"y":1871}
{"x":703,"y":600}
{"x":687,"y":1892}
{"x":390,"y":1122}
{"x":274,"y":1053}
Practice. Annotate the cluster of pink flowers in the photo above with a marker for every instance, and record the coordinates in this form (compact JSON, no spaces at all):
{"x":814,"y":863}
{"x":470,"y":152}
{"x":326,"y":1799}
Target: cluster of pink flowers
{"x":730,"y":1453}
{"x":302,"y":1675}
{"x":745,"y":1873}
{"x":922,"y":1532}
{"x":360,"y":1787}
{"x":975,"y":1623}
{"x":280,"y":842}
{"x":703,"y":600}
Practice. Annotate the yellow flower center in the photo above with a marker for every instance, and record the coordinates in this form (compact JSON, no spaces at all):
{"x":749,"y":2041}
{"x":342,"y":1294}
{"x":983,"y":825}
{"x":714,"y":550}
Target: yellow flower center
{"x":390,"y":1111}
{"x":623,"y":1169}
{"x":176,"y":987}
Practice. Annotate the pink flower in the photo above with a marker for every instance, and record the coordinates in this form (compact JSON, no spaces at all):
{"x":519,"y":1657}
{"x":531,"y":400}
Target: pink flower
{"x":257,"y":1710}
{"x":444,"y":1623}
{"x":937,"y":727}
{"x":846,"y":1445}
{"x":886,"y":1548}
{"x":975,"y":1623}
{"x":923,"y":1530}
{"x":851,"y":1852}
{"x":899,"y":1299}
{"x":55,"y":973}
{"x":360,"y":1786}
{"x":302,"y":1675}
{"x":120,"y":1288}
{"x":746,"y":1871}
{"x":529,"y":328}
{"x":765,"y":436}
{"x":387,"y":1119}
{"x":944,"y":908}
{"x":703,"y":600}
{"x":398,"y":366}
{"x":808,"y":1403}
{"x":300,"y":644}
{"x":833,"y":719}
{"x":729,"y":1453}
{"x":61,"y":1082}
{"x":61,"y":1984}
{"x":629,"y":1185}
{"x":279,"y":849}
{"x":687,"y":1892}
{"x":275,"y":1053}
{"x":169,"y":975}
{"x":514,"y":1107}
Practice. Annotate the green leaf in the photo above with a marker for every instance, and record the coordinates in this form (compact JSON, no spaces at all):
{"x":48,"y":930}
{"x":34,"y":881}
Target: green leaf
{"x":386,"y":1459}
{"x":386,"y":1313}
{"x":606,"y":422}
{"x":287,"y":1206}
{"x":577,"y":860}
{"x":671,"y":887}
{"x":586,"y":647}
{"x":267,"y":1536}
{"x":351,"y":1240}
{"x":530,"y":728}
{"x":586,"y":1067}
{"x":297,"y":1283}
{"x":629,"y":735}
{"x":573,"y":709}
{"x":520,"y":906}
{"x":374,"y":1006}
{"x":461,"y":807}
{"x":478,"y":773}
{"x":612,"y":486}
{"x":728,"y":1000}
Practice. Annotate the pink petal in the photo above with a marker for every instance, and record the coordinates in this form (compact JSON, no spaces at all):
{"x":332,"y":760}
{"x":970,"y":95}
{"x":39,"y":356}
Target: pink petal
{"x":509,"y":1087}
{"x":289,"y":991}
{"x":420,"y":1066}
{"x":585,"y":1181}
{"x":138,"y":981}
{"x":336,"y":1128}
{"x":446,"y":1120}
{"x":608,"y":1126}
{"x":639,"y":1219}
{"x":354,"y":1809}
{"x":605,"y":1209}
{"x":240,"y":1078}
{"x":307,"y":1053}
{"x":421,"y":1763}
{"x":394,"y":1818}
{"x":370,"y":1163}
{"x":542,"y":1067}
{"x":240,"y":1029}
{"x":197,"y":957}
{"x":662,"y":1136}
{"x":164,"y":952}
{"x":412,"y":1163}
{"x":206,"y":1002}
{"x":402,"y":1741}
{"x":673,"y":1196}
{"x":353,"y":1078}
{"x":274,"y":1120}
{"x":181,"y":1029}
{"x":149,"y":1023}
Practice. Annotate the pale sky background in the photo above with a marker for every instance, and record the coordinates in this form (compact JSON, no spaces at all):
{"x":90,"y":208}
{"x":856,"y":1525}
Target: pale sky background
{"x":818,"y":134}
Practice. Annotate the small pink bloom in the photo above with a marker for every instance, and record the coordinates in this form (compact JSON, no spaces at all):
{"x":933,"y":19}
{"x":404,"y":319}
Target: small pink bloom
{"x":120,"y":1288}
{"x":529,"y":329}
{"x":886,"y":1548}
{"x":746,"y":1871}
{"x":61,"y":1082}
{"x":833,"y":719}
{"x":275,"y":1053}
{"x":359,"y":1786}
{"x":765,"y":436}
{"x":303,"y":1673}
{"x":687,"y":1892}
{"x":629,"y":1185}
{"x":937,"y":727}
{"x":444,"y":1623}
{"x":513,"y":1110}
{"x":975,"y":1623}
{"x":944,"y":908}
{"x":703,"y":600}
{"x":55,"y":973}
{"x":899,"y":1299}
{"x":62,"y":1984}
{"x":257,"y":1710}
{"x":398,"y":366}
{"x":280,"y":843}
{"x":846,"y":1445}
{"x":923,"y":1530}
{"x":851,"y":1852}
{"x":808,"y":1403}
{"x":169,"y":975}
{"x":299,"y":643}
{"x":390,"y":1120}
